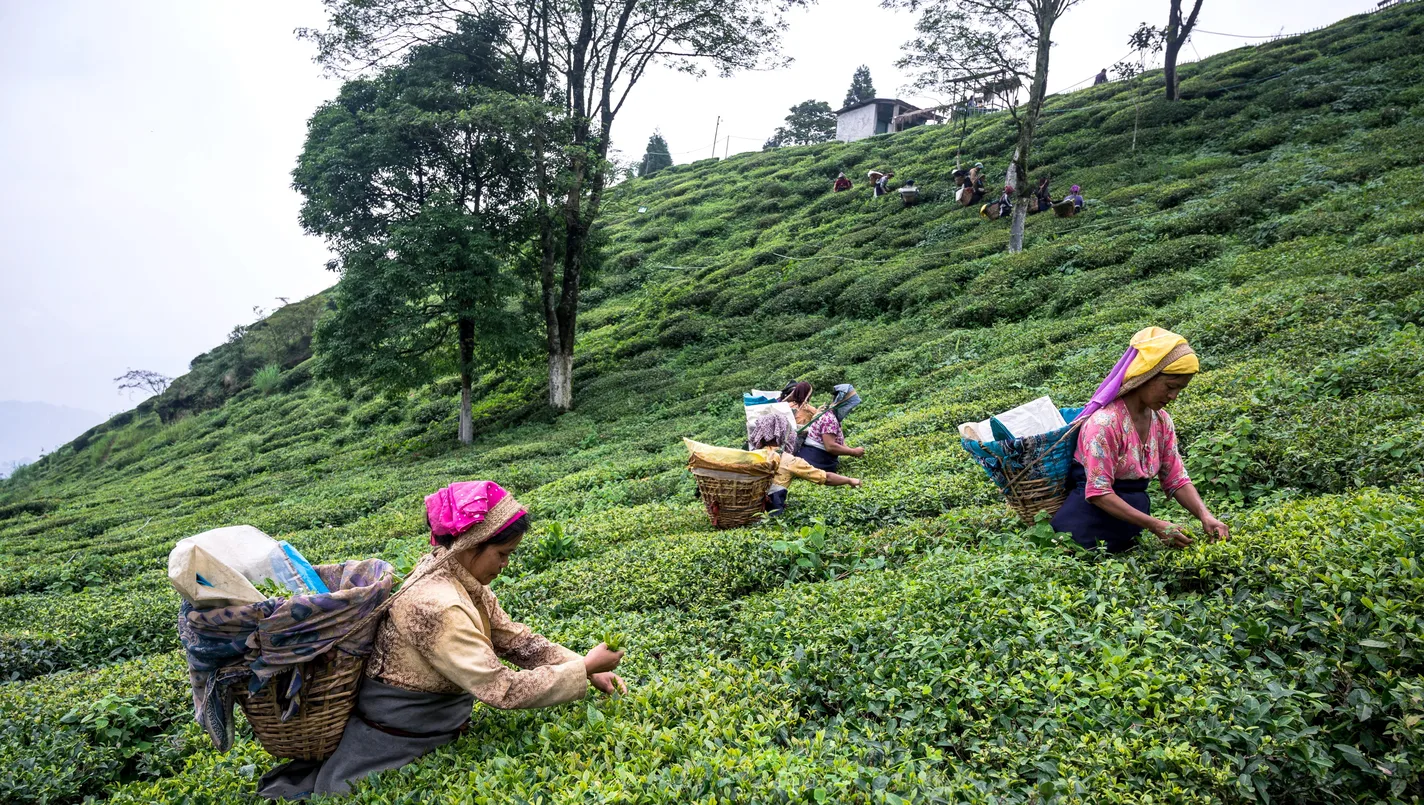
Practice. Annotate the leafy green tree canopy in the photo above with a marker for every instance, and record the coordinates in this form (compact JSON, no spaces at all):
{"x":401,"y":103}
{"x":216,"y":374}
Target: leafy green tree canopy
{"x":587,"y":57}
{"x":656,"y":157}
{"x":861,"y":89}
{"x":809,"y":122}
{"x":419,"y":179}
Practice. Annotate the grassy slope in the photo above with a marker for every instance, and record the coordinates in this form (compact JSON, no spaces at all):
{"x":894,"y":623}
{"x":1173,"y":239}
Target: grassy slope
{"x":1273,"y":216}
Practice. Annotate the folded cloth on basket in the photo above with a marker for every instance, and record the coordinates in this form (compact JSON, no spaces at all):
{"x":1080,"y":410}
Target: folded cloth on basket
{"x":270,"y":641}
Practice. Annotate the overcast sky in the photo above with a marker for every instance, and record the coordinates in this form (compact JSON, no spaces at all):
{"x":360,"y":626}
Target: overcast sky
{"x":146,"y":147}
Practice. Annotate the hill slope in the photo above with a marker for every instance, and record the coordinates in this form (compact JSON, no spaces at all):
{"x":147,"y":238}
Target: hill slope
{"x":934,"y":652}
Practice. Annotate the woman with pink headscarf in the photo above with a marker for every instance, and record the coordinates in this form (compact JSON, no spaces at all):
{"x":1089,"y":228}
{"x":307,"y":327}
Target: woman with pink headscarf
{"x":442,"y":647}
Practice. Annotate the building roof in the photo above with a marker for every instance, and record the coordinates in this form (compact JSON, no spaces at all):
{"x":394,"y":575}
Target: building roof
{"x":909,"y":107}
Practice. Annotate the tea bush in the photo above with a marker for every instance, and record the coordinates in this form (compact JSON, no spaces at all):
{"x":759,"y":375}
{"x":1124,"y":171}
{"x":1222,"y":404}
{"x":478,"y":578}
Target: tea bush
{"x":907,"y":641}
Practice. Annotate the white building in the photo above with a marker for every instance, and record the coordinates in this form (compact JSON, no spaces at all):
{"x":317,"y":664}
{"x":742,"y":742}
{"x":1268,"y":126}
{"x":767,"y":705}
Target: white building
{"x":878,"y":116}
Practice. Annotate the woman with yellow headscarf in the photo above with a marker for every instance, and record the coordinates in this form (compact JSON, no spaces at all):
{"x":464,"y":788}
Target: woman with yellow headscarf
{"x":1128,"y":438}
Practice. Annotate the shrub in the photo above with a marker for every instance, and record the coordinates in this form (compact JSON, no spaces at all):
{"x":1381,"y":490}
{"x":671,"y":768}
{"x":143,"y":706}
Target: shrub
{"x":267,"y":378}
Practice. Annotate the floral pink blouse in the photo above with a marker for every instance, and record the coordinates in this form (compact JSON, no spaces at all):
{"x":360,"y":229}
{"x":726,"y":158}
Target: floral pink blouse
{"x":1110,"y":450}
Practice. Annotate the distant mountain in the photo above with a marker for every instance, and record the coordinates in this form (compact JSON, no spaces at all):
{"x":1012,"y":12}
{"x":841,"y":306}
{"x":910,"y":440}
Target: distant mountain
{"x":26,"y":428}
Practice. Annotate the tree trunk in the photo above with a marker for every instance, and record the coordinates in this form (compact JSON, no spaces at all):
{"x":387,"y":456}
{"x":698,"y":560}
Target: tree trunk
{"x":1169,"y":67}
{"x":1028,"y":123}
{"x":466,"y":328}
{"x":1018,"y":180}
{"x":1016,"y":230}
{"x":561,"y":380}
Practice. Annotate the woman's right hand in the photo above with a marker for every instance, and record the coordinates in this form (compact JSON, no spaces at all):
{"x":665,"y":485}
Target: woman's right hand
{"x":1171,"y":534}
{"x":858,"y":452}
{"x":601,"y":660}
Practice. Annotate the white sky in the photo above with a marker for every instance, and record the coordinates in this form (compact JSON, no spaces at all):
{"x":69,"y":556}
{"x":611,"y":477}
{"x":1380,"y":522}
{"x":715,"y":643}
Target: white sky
{"x":146,"y":147}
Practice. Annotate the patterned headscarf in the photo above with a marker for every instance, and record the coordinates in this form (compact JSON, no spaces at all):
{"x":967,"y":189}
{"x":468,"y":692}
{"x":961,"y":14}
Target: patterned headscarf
{"x":474,"y":511}
{"x":771,"y":428}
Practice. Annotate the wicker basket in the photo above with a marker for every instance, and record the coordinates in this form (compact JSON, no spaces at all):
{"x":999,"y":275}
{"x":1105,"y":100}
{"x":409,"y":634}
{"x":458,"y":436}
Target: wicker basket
{"x":328,"y":697}
{"x":732,"y":499}
{"x":1027,"y":498}
{"x":1032,"y":473}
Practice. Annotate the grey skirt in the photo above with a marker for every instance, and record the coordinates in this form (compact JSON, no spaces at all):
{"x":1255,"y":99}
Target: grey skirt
{"x":390,"y":727}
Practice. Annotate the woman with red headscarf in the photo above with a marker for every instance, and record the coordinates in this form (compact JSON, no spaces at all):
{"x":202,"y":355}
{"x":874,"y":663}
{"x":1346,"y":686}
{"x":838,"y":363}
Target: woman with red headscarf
{"x":441,"y":648}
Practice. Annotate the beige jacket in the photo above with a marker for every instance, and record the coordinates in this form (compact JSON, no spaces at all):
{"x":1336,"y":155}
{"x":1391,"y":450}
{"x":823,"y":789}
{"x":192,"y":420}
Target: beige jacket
{"x":448,"y":635}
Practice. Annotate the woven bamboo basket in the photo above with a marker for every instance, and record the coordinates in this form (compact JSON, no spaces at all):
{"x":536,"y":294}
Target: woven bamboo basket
{"x":732,"y":499}
{"x":328,"y":697}
{"x":1027,"y":498}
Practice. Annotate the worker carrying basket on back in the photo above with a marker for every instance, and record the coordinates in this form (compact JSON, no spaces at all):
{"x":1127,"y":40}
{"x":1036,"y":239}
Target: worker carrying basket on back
{"x":442,"y":647}
{"x":1127,"y":437}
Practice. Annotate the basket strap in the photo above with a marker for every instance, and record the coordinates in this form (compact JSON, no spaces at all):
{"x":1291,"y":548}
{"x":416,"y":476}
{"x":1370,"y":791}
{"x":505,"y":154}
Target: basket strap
{"x":1042,"y":454}
{"x":386,"y":604}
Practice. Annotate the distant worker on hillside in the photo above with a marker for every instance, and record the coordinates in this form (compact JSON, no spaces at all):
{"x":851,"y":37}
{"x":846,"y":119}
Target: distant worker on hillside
{"x":1042,"y":197}
{"x":1070,"y":205}
{"x":1125,"y":440}
{"x":973,"y":190}
{"x":1000,"y":207}
{"x":443,"y":646}
{"x":909,"y":194}
{"x":882,"y":184}
{"x":842,"y":183}
{"x":773,"y":437}
{"x":1102,"y":77}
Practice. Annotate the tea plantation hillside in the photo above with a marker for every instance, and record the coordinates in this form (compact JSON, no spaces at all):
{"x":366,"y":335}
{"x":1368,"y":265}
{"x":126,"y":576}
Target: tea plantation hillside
{"x":907,"y":641}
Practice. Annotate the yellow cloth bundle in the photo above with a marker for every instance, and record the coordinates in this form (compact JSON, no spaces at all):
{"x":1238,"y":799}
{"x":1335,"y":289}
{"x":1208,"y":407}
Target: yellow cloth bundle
{"x":727,"y":459}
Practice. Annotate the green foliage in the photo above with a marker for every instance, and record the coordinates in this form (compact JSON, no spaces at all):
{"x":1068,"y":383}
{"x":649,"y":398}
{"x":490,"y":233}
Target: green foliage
{"x":905,"y":641}
{"x":861,"y":87}
{"x":810,"y":122}
{"x":267,"y":378}
{"x":116,"y":721}
{"x":811,"y":557}
{"x":557,"y":545}
{"x":418,"y":178}
{"x":656,"y":156}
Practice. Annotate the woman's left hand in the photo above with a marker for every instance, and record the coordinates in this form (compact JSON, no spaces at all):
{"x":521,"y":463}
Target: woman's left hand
{"x":608,"y":682}
{"x":1216,"y":531}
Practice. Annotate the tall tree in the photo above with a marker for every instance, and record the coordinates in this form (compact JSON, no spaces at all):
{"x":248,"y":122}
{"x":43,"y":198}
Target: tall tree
{"x":587,"y":55}
{"x":419,"y":178}
{"x":809,"y":122}
{"x":860,"y":87}
{"x":994,"y":46}
{"x":656,"y":157}
{"x":1168,"y":40}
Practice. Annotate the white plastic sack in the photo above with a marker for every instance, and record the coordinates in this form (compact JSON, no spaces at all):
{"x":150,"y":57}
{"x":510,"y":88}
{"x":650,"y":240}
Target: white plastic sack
{"x":1030,"y":419}
{"x":218,"y":568}
{"x":755,"y":412}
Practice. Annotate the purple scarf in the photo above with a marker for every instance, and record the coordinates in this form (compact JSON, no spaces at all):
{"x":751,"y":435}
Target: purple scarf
{"x":1111,"y":385}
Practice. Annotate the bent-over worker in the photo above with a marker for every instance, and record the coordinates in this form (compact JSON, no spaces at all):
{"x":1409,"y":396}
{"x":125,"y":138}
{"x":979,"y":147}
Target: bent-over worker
{"x":773,"y":437}
{"x":825,"y":438}
{"x":1128,"y":440}
{"x":440,"y":650}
